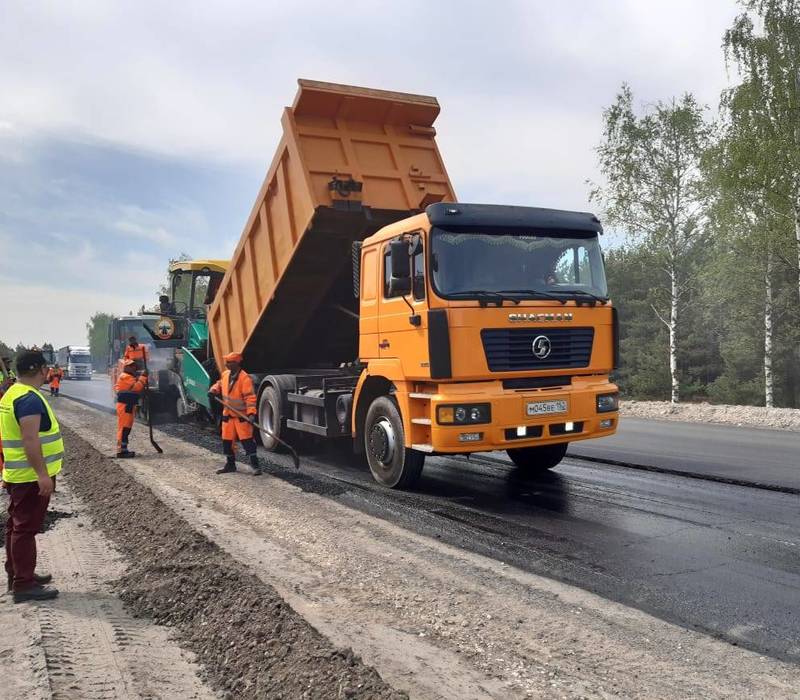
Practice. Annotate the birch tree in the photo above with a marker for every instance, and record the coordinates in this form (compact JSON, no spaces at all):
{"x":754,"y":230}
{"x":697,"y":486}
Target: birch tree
{"x":768,"y":99}
{"x":652,"y":190}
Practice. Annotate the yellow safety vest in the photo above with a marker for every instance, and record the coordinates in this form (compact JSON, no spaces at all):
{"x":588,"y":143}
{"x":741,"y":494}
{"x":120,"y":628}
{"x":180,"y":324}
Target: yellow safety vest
{"x":16,"y":468}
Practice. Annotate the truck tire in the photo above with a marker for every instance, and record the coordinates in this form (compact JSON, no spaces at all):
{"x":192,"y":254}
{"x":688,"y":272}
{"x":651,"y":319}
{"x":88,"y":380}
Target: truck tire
{"x":270,"y":415}
{"x":533,"y":459}
{"x":392,"y":463}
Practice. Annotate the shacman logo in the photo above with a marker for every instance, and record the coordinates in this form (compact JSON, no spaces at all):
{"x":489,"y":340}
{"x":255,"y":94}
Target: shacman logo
{"x":518,"y":318}
{"x":541,"y":346}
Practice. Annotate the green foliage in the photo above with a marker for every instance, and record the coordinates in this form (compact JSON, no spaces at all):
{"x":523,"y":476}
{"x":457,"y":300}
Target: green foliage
{"x":739,"y":266}
{"x":97,"y":335}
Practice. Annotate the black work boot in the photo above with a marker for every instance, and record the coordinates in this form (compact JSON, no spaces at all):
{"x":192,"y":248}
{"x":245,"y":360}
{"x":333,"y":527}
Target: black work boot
{"x":230,"y":466}
{"x":35,"y":593}
{"x":40,"y":580}
{"x":255,"y":466}
{"x":125,"y":454}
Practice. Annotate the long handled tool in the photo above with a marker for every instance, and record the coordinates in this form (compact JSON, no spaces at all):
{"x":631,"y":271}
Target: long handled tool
{"x":247,"y":419}
{"x":153,"y":442}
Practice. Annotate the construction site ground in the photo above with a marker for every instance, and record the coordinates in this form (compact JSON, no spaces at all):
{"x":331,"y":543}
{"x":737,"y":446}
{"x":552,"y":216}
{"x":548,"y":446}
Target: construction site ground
{"x":177,"y":582}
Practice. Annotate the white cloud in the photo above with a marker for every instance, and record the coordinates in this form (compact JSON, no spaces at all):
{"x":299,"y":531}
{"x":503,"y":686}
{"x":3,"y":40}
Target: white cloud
{"x":172,"y":228}
{"x":157,"y":234}
{"x":210,"y":79}
{"x":44,"y":313}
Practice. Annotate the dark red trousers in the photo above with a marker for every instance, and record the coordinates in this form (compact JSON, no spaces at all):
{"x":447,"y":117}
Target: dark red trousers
{"x":26,"y":511}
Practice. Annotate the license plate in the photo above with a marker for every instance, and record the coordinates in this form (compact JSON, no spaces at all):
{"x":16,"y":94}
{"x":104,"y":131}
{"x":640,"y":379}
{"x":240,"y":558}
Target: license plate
{"x":540,"y":408}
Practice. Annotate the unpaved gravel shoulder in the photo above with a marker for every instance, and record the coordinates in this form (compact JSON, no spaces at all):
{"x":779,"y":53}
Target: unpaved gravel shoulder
{"x":747,"y":416}
{"x":84,"y":644}
{"x":432,"y":619}
{"x":250,"y":643}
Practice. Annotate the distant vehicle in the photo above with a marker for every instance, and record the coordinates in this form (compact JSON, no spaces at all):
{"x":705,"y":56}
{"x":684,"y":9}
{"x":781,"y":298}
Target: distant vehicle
{"x":76,"y":361}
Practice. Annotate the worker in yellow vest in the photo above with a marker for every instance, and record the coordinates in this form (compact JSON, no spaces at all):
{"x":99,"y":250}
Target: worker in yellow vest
{"x":32,"y":455}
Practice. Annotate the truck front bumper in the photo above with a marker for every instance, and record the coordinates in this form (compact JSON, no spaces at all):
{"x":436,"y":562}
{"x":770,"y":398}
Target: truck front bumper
{"x":511,"y":426}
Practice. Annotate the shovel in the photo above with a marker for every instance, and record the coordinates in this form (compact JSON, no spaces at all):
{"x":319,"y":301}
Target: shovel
{"x":247,"y":419}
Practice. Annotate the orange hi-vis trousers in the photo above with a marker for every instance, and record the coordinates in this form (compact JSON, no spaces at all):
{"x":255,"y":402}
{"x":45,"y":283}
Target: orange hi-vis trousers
{"x":125,"y":418}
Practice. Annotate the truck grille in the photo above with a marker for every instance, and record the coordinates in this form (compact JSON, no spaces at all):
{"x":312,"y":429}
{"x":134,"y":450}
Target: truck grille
{"x":511,"y":349}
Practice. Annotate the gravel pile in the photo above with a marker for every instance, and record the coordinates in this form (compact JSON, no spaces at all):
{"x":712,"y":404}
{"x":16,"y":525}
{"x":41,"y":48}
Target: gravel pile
{"x":752,"y":416}
{"x":250,"y":643}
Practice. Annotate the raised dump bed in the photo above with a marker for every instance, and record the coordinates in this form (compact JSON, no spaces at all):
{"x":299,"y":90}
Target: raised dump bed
{"x":351,"y":160}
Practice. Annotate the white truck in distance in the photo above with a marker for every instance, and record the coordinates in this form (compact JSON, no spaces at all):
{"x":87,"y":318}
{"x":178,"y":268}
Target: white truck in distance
{"x":76,"y":361}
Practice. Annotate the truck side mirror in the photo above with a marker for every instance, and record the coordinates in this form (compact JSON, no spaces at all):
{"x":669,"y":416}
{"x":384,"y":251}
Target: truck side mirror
{"x":400,"y":281}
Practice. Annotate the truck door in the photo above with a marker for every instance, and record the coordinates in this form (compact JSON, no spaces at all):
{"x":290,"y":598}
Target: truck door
{"x":399,"y":337}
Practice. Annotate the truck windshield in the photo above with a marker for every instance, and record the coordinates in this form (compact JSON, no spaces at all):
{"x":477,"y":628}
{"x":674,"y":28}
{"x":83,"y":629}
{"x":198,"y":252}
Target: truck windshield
{"x":537,"y":264}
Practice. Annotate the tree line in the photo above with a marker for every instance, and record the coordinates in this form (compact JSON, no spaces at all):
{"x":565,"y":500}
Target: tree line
{"x":708,"y":281}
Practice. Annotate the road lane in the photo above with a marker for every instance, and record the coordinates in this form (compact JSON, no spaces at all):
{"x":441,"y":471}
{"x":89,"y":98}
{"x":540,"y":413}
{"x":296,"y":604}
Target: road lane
{"x":767,"y":457}
{"x":97,"y":391}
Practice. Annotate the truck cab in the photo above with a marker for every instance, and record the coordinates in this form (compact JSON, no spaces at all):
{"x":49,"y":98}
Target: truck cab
{"x":76,"y":362}
{"x":490,"y":328}
{"x":193,"y":285}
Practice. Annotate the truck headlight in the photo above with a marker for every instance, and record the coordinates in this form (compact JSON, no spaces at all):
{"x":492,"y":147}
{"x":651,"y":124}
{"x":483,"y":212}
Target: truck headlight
{"x":464,"y":414}
{"x":607,"y":403}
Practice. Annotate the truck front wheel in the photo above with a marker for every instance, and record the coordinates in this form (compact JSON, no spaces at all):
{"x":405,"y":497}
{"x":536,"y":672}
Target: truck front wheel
{"x":532,"y":459}
{"x":390,"y":461}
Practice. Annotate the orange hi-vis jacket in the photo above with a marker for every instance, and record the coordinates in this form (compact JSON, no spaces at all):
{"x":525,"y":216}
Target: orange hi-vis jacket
{"x":128,"y":388}
{"x":139,"y":353}
{"x":238,"y":394}
{"x":54,"y":377}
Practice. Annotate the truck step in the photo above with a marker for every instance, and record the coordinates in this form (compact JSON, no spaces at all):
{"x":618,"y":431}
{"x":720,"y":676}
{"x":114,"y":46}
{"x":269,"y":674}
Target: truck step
{"x":421,"y":421}
{"x":422,"y":448}
{"x":417,"y":395}
{"x":306,"y":399}
{"x":307,"y":427}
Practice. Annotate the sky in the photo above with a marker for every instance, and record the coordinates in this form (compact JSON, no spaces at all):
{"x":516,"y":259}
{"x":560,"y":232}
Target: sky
{"x":133,"y":131}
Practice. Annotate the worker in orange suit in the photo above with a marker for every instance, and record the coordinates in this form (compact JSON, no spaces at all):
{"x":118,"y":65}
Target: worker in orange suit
{"x":129,"y":387}
{"x":136,"y":352}
{"x":235,"y":388}
{"x":54,"y":377}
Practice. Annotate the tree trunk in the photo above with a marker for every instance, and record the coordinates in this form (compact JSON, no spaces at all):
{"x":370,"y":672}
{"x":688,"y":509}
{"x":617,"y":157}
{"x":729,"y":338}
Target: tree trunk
{"x":673,"y":332}
{"x":768,"y":382}
{"x":797,"y":236}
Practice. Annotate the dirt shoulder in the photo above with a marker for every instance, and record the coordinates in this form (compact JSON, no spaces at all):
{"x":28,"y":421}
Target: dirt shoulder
{"x":433,"y":620}
{"x":250,"y":643}
{"x":752,"y":416}
{"x":85,"y":644}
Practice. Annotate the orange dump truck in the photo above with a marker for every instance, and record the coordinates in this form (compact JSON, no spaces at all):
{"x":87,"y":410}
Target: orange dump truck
{"x":369,"y":305}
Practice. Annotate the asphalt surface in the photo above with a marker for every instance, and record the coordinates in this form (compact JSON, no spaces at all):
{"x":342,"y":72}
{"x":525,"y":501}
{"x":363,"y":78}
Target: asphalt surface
{"x":769,"y":458}
{"x":715,"y":557}
{"x":95,"y":391}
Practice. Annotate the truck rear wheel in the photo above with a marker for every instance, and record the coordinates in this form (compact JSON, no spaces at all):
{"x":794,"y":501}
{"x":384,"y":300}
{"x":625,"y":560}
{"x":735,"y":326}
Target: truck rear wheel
{"x":269,"y":417}
{"x":533,"y":459}
{"x":390,"y":461}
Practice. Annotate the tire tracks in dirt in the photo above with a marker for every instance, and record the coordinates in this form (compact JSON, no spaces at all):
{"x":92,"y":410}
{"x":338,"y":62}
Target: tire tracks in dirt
{"x":89,"y":646}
